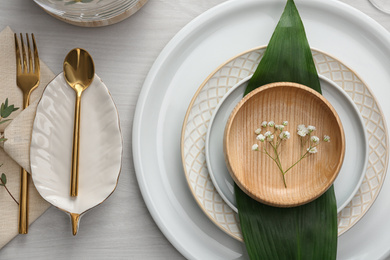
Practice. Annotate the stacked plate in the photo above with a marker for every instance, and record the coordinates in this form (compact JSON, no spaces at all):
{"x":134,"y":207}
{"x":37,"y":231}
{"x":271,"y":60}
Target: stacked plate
{"x":195,"y":207}
{"x":204,"y":162}
{"x":91,"y":13}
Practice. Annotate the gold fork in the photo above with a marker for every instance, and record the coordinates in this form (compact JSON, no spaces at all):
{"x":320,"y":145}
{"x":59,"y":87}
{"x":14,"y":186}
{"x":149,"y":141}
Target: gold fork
{"x":27,"y":79}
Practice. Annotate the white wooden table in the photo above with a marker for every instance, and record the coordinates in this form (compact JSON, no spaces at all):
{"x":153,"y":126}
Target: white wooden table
{"x":121,"y":228}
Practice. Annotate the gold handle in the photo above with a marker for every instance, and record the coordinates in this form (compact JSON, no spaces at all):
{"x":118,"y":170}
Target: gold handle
{"x":23,"y":203}
{"x":74,"y":181}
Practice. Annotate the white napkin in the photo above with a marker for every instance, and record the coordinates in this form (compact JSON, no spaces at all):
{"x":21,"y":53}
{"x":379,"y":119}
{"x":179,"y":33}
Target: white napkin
{"x":18,"y":132}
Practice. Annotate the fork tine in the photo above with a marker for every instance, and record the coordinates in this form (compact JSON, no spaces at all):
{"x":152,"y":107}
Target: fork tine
{"x":30,"y":63}
{"x":36,"y":57}
{"x":17,"y":52}
{"x":24,"y":54}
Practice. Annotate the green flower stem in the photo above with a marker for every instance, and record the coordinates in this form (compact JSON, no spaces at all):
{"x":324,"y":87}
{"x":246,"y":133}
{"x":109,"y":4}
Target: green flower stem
{"x":277,"y":156}
{"x":279,"y":166}
{"x":303,"y":156}
{"x":278,"y":163}
{"x":304,"y":143}
{"x":3,"y":184}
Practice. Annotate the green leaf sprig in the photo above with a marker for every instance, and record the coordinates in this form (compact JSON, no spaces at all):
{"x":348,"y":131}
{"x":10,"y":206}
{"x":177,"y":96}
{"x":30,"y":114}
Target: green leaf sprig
{"x":304,"y":232}
{"x":3,"y":182}
{"x":6,"y":111}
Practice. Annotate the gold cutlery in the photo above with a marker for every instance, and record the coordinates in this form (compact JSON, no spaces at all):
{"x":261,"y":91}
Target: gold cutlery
{"x":27,"y":79}
{"x":79,"y":71}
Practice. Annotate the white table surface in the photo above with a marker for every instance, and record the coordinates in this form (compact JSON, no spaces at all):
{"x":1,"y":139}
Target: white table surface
{"x":121,"y":228}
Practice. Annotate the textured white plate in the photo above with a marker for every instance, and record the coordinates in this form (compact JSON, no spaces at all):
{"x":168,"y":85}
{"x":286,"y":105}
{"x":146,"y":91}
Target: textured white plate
{"x":91,"y":13}
{"x":100,"y":146}
{"x":356,"y":155}
{"x":199,"y":48}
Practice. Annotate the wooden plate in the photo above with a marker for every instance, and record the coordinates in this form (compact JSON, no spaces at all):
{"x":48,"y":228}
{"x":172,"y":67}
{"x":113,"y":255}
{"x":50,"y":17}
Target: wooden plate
{"x":256,"y":173}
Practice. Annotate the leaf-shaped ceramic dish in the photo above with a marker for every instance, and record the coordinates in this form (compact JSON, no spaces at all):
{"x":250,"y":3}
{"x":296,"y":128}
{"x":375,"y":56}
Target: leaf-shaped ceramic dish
{"x":100,"y":147}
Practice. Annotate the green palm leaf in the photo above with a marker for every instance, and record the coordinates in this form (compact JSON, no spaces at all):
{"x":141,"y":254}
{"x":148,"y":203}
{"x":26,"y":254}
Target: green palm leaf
{"x":304,"y":232}
{"x":288,"y":56}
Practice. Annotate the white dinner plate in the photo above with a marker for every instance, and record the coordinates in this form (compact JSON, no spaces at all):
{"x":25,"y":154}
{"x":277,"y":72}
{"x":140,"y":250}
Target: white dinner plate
{"x":199,"y":48}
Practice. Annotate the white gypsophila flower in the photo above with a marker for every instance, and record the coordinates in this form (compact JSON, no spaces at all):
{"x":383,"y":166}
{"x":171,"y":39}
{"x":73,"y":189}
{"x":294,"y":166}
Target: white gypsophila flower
{"x":326,"y":138}
{"x":315,"y":139}
{"x":264,"y":124}
{"x":268,"y":133}
{"x":271,"y":123}
{"x":284,"y":135}
{"x":258,"y":131}
{"x":279,"y":127}
{"x":301,"y":127}
{"x":302,"y":133}
{"x":260,"y":137}
{"x":285,"y":123}
{"x":312,"y":150}
{"x":270,"y":138}
{"x":311,"y":128}
{"x":255,"y":147}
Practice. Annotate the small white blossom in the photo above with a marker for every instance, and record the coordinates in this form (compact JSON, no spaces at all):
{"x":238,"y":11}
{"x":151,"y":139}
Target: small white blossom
{"x":302,"y":130}
{"x":271,"y":123}
{"x":301,"y":127}
{"x":267,"y":134}
{"x":258,"y":131}
{"x":302,"y":133}
{"x":326,"y":138}
{"x":284,"y":135}
{"x":260,"y":137}
{"x":255,"y":147}
{"x":315,"y":139}
{"x":264,"y":124}
{"x":279,"y":127}
{"x":311,"y":128}
{"x":285,"y":123}
{"x":312,"y":150}
{"x":270,"y":138}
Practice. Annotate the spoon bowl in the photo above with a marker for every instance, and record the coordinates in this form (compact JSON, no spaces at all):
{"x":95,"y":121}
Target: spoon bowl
{"x":79,"y":71}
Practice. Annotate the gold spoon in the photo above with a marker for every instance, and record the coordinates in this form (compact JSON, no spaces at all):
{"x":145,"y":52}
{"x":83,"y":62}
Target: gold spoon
{"x":79,"y":71}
